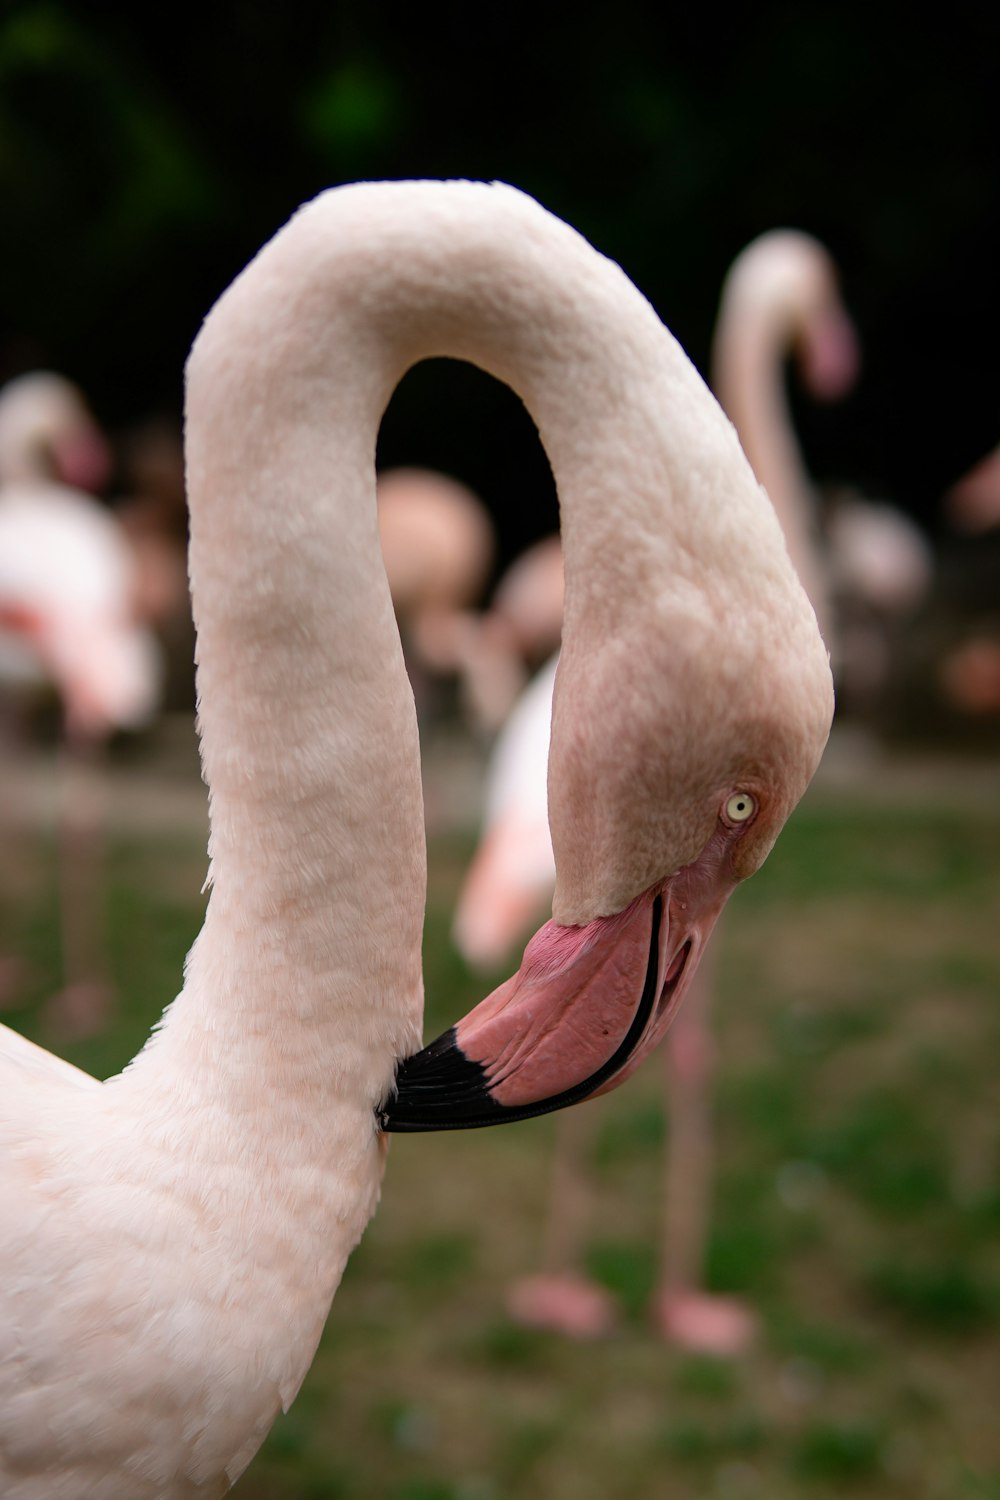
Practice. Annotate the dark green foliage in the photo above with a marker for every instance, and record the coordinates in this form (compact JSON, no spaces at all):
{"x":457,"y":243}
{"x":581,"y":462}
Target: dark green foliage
{"x":947,"y":1295}
{"x":838,"y":1452}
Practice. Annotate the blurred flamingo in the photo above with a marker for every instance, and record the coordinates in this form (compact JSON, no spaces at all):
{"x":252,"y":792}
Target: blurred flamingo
{"x":67,"y":622}
{"x":47,"y":432}
{"x":438,"y":544}
{"x":865,"y":565}
{"x":516,"y":634}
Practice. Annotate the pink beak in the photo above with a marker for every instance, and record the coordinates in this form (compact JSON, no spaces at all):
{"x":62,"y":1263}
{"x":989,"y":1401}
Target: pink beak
{"x":585,"y":1008}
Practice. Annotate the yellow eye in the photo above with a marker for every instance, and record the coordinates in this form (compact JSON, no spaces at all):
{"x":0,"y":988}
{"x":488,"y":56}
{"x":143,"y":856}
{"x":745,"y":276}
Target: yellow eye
{"x":740,"y":807}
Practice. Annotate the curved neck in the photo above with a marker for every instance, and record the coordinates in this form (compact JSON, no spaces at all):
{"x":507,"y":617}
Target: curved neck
{"x":287,"y":385}
{"x":752,"y":342}
{"x":309,"y":740}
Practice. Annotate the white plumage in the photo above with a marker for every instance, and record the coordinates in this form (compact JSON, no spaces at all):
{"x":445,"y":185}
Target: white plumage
{"x":66,"y":580}
{"x":171,"y":1239}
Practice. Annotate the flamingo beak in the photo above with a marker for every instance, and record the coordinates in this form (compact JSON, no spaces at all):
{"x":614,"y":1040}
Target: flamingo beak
{"x":584,"y":1009}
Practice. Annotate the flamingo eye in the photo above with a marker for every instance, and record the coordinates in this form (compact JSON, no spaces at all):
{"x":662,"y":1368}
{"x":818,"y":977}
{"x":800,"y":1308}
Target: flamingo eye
{"x":740,"y":807}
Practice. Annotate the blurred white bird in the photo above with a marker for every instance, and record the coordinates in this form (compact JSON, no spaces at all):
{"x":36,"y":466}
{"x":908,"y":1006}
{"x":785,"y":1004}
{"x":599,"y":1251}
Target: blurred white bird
{"x":437,"y":543}
{"x":865,"y":565}
{"x":67,"y":624}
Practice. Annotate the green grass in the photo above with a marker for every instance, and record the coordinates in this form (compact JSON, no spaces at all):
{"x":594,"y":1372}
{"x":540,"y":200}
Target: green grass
{"x":857,"y":1198}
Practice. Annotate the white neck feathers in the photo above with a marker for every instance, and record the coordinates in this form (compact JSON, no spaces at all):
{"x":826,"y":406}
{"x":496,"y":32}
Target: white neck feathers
{"x":308,"y":735}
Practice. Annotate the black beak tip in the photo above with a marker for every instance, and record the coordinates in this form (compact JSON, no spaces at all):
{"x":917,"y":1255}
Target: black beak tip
{"x":439,"y":1089}
{"x":442,"y":1089}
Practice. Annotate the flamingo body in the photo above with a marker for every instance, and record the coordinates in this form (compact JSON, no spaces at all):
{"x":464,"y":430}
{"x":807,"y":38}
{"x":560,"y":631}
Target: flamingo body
{"x":171,"y":1239}
{"x":513,"y":871}
{"x":437,"y":544}
{"x":65,"y":608}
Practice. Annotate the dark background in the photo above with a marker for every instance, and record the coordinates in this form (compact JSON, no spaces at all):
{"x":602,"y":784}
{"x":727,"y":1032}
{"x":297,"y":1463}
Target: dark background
{"x":144,"y":157}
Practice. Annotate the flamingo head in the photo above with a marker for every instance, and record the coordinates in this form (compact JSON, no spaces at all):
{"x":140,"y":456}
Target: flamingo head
{"x":785,"y":286}
{"x":48,"y":433}
{"x":681,"y":740}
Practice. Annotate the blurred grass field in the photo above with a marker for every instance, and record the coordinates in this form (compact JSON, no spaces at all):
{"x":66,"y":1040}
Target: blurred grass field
{"x":857,"y":1202}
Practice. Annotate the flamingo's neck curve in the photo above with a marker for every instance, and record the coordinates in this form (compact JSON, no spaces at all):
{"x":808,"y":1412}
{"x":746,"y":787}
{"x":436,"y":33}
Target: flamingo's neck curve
{"x":308,"y":733}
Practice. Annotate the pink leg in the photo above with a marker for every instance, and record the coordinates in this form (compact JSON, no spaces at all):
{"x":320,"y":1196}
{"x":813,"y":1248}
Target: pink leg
{"x":81,"y":1008}
{"x":683,"y":1311}
{"x":560,"y":1297}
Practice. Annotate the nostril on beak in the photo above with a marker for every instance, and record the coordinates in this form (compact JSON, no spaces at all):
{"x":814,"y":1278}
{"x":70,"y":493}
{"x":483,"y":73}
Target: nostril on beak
{"x":673,"y":975}
{"x":677,"y":966}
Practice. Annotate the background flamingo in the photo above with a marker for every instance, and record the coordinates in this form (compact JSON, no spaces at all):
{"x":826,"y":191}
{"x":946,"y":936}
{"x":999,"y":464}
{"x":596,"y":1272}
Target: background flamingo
{"x":47,"y":432}
{"x":68,"y":623}
{"x":438,"y":543}
{"x":865,"y":565}
{"x":516,"y":634}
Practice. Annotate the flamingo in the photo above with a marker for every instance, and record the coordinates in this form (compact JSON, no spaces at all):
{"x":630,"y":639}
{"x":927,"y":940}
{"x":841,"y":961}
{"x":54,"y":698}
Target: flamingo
{"x":513,"y":871}
{"x":66,"y":577}
{"x":65,"y":592}
{"x":517,"y":633}
{"x":67,"y":621}
{"x":865,"y":565}
{"x":529,"y":600}
{"x":779,"y":298}
{"x":171,"y":1239}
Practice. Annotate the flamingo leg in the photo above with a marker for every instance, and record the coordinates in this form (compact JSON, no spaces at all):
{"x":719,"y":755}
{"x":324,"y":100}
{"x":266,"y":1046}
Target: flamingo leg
{"x":688,"y":1063}
{"x":571,"y":1199}
{"x":561,"y":1297}
{"x":81,"y":1007}
{"x":683,"y":1310}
